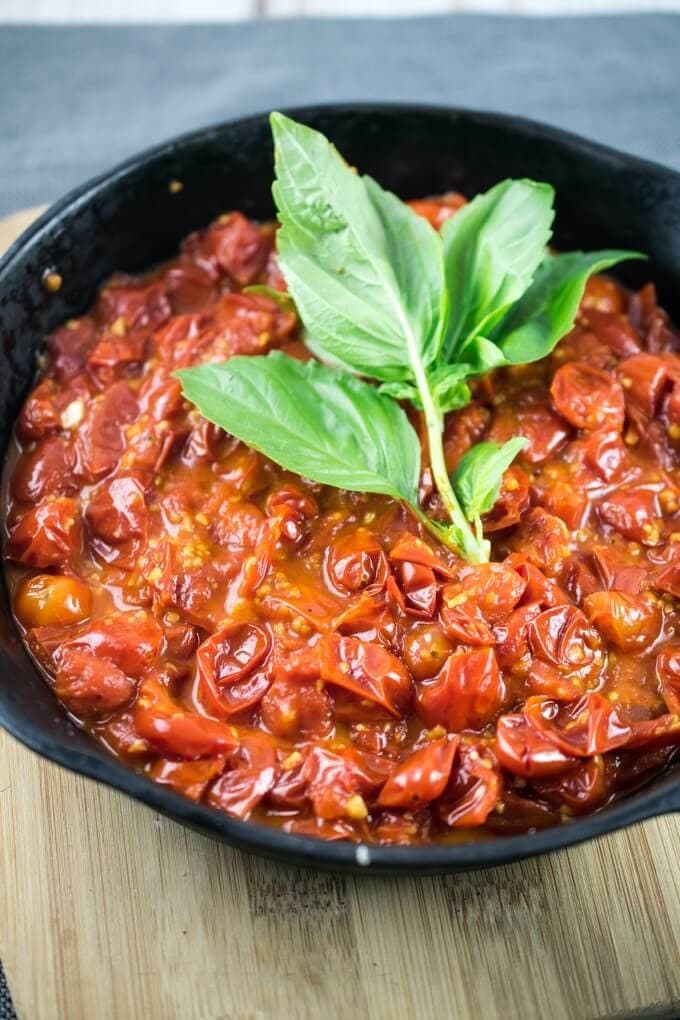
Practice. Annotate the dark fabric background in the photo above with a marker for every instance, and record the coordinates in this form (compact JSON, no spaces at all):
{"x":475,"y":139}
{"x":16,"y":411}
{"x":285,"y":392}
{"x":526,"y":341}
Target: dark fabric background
{"x":74,"y":101}
{"x":77,"y":100}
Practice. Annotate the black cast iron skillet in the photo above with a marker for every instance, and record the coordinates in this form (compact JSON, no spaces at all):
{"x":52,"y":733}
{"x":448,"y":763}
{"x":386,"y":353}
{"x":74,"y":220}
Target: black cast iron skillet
{"x":129,"y":219}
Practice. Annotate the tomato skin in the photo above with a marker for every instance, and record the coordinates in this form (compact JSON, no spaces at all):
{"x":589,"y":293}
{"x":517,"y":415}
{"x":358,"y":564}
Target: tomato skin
{"x":533,"y":417}
{"x":581,"y":790}
{"x":45,"y":536}
{"x":90,"y":686}
{"x":250,"y":774}
{"x":629,"y":622}
{"x":366,"y":670}
{"x":176,"y":731}
{"x":293,"y":709}
{"x":562,"y":636}
{"x":422,"y":776}
{"x":117,"y":519}
{"x":356,"y":561}
{"x":526,"y":751}
{"x":644,"y":378}
{"x":465,"y":694}
{"x":236,"y":247}
{"x":492,"y":589}
{"x":588,"y":397}
{"x":438,"y":210}
{"x":513,"y":501}
{"x":474,"y":788}
{"x":100,"y":440}
{"x":588,"y":726}
{"x":229,"y":670}
{"x":294,"y":506}
{"x":44,"y":600}
{"x":542,"y":539}
{"x":49,"y":470}
{"x":668,"y":677}
{"x":634,"y":513}
{"x":190,"y":778}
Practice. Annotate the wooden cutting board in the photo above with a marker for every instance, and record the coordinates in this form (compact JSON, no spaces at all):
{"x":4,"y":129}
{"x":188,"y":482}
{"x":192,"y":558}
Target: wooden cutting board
{"x":110,"y":911}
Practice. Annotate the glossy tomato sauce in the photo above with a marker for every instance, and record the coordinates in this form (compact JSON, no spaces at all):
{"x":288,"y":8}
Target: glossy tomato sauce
{"x":305,"y":656}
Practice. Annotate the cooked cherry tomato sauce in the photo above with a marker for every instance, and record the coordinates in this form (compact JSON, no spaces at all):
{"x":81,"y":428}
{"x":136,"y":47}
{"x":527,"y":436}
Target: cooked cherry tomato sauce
{"x":305,"y":656}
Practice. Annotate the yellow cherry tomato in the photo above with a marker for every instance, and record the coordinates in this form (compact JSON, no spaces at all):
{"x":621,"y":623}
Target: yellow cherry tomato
{"x":48,"y":599}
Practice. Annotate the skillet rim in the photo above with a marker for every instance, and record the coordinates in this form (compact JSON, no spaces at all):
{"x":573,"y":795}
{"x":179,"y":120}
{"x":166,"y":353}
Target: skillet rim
{"x":659,"y":797}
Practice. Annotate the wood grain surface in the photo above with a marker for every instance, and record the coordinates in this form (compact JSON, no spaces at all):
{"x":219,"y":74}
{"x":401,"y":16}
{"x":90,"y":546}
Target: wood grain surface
{"x":109,"y":911}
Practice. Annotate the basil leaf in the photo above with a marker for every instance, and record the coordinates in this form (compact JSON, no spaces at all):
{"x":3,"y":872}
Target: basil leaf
{"x":477,"y":479}
{"x":449,"y":388}
{"x":311,"y":419}
{"x":547,"y":310}
{"x":366,"y":272}
{"x":492,"y":248}
{"x":481,"y":355}
{"x":401,"y":391}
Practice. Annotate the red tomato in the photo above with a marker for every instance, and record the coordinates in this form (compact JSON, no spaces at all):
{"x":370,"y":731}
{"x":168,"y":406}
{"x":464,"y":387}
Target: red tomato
{"x":414,"y":588}
{"x":138,"y":302}
{"x":512,"y":636}
{"x":588,"y":726}
{"x":562,"y":636}
{"x":356,"y":561}
{"x":474,"y":789}
{"x":251,"y":774}
{"x":131,"y":641}
{"x":543,"y":540}
{"x":45,"y":536}
{"x":295,"y":709}
{"x":644,"y":378}
{"x":438,"y":210}
{"x":100,"y":440}
{"x":526,"y":751}
{"x":173,"y":730}
{"x":69,"y":347}
{"x":513,"y":501}
{"x":237,"y":246}
{"x":466,"y":694}
{"x":294,"y":506}
{"x":634,"y":513}
{"x":582,"y":789}
{"x":492,"y":589}
{"x":531,"y":416}
{"x":366,"y":670}
{"x":228,"y":668}
{"x":422,"y":776}
{"x":190,"y":778}
{"x":410,"y":549}
{"x":89,"y":686}
{"x":588,"y":397}
{"x":117,"y":519}
{"x":629,"y":622}
{"x":668,"y":677}
{"x":49,"y":470}
{"x":338,"y":782}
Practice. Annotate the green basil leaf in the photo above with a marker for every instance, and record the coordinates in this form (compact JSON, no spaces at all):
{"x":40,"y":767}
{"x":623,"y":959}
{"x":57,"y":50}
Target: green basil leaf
{"x":477,"y":479}
{"x":492,"y":248}
{"x":449,"y":388}
{"x":401,"y":391}
{"x":365,"y":271}
{"x":481,"y":356}
{"x":281,"y":297}
{"x":320,"y":423}
{"x":546,"y":312}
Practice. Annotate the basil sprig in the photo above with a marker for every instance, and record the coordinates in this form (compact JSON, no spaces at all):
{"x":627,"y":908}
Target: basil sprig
{"x":384,"y":296}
